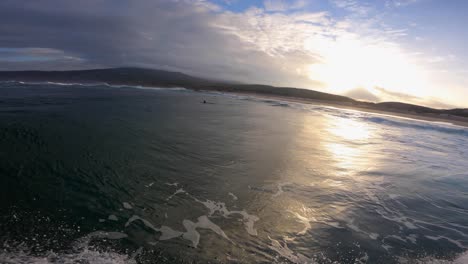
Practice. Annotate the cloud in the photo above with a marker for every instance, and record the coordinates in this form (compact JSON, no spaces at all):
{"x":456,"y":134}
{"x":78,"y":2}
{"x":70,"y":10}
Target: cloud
{"x":400,"y":3}
{"x":362,"y":94}
{"x":379,"y":94}
{"x":195,"y":37}
{"x":283,"y":5}
{"x":353,"y":6}
{"x":387,"y":95}
{"x":33,"y":54}
{"x":275,"y":45}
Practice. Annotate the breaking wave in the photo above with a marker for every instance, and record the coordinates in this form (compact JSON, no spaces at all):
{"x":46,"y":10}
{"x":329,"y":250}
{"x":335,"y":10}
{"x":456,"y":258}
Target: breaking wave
{"x":417,"y":124}
{"x":95,"y":84}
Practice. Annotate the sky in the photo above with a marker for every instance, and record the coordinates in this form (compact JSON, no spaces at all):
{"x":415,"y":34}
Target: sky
{"x":383,"y":50}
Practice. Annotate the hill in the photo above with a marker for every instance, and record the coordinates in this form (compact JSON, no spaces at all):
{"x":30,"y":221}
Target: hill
{"x":161,"y":78}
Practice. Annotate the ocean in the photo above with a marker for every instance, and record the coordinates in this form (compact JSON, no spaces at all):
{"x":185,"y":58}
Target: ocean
{"x":117,"y":174}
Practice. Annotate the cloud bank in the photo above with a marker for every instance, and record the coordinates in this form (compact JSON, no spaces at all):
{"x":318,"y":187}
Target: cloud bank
{"x":195,"y":37}
{"x":276,"y":43}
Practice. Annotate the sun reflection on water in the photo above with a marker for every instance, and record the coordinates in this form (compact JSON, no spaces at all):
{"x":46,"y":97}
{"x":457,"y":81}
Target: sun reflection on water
{"x":349,"y":129}
{"x":327,"y":162}
{"x":348,"y":144}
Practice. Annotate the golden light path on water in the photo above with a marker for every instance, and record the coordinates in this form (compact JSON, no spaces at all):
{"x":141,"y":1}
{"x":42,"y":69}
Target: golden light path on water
{"x":348,"y":145}
{"x":333,"y":151}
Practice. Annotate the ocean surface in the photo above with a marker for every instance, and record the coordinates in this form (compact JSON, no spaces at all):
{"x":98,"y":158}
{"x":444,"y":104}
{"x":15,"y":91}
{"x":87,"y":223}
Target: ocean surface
{"x":116,"y":174}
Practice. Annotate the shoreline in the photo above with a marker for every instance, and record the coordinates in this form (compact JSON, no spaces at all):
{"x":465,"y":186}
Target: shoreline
{"x":436,"y":118}
{"x":430,"y":117}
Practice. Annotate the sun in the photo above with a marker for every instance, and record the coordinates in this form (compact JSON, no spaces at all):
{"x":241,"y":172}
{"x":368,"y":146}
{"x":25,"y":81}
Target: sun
{"x":348,"y":63}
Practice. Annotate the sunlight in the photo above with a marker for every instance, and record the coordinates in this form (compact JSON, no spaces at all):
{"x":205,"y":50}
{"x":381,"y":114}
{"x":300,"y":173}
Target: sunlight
{"x":348,"y":63}
{"x":349,"y":129}
{"x":350,"y":150}
{"x":344,"y":155}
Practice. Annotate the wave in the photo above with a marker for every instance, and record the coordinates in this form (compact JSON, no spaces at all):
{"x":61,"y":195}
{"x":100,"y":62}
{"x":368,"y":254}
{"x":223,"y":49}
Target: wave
{"x":84,"y":256}
{"x":96,"y":84}
{"x":392,"y":120}
{"x":460,"y":259}
{"x":405,"y":122}
{"x":81,"y":252}
{"x":53,"y":83}
{"x":417,"y":124}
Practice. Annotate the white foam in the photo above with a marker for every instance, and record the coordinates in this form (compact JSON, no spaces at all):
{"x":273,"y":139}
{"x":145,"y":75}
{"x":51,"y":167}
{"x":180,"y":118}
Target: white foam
{"x":108,"y":235}
{"x":395,"y":216}
{"x":203,"y":222}
{"x":280,"y":189}
{"x":190,"y":234}
{"x":175,"y":193}
{"x":84,"y":256}
{"x":108,"y":85}
{"x":127,"y":205}
{"x":149,"y":184}
{"x":333,"y":224}
{"x":455,"y":242}
{"x":81,"y":253}
{"x":113,"y":218}
{"x":75,"y":84}
{"x":304,"y":220}
{"x":354,"y":227}
{"x":362,"y":259}
{"x":145,"y":222}
{"x":150,"y":87}
{"x":234,"y":197}
{"x":460,"y":259}
{"x":413,"y":238}
{"x":333,"y":183}
{"x":215,"y":207}
{"x":249,"y":221}
{"x":220,"y":207}
{"x":386,"y":247}
{"x":168,"y":233}
{"x":284,"y":251}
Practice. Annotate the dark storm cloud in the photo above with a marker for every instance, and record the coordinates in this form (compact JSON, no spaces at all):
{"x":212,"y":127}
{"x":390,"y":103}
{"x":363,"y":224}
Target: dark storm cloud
{"x":175,"y":35}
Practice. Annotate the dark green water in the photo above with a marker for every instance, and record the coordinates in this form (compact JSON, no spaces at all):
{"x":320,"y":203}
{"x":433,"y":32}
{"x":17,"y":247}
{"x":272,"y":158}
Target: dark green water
{"x":98,"y":174}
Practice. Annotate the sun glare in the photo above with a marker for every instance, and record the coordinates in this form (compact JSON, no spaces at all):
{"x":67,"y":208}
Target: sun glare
{"x":348,"y":63}
{"x":349,"y":129}
{"x":347,"y":133}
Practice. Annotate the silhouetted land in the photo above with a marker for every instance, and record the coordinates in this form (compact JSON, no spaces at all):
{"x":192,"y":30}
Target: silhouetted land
{"x":160,"y":78}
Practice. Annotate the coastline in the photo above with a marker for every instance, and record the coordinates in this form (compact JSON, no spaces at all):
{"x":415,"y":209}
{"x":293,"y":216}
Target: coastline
{"x":140,"y":77}
{"x":447,"y":119}
{"x":430,"y":117}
